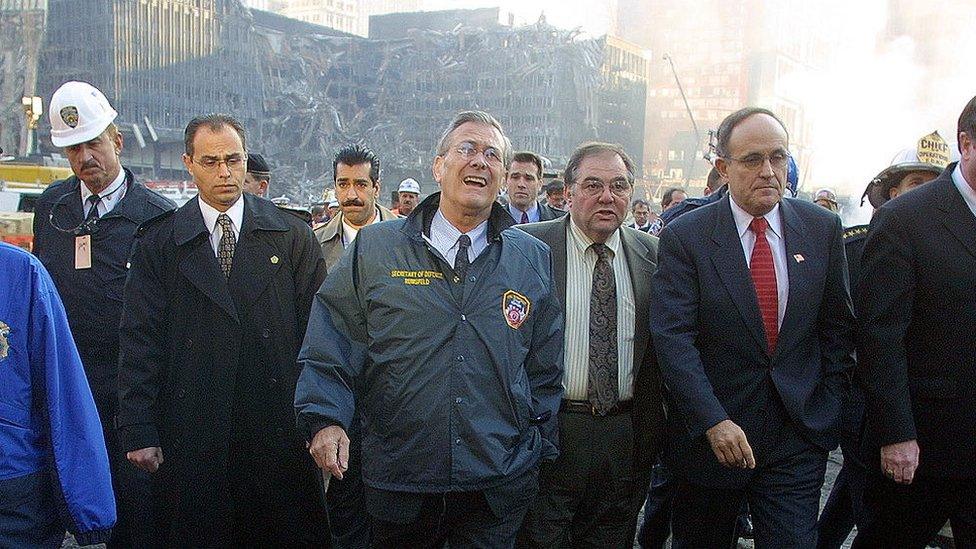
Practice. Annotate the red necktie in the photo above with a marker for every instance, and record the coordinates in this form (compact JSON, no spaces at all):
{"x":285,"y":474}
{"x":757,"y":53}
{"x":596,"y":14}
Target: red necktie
{"x":764,"y":279}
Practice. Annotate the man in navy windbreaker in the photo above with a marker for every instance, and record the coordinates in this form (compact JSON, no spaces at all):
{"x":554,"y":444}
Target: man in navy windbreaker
{"x":54,"y":471}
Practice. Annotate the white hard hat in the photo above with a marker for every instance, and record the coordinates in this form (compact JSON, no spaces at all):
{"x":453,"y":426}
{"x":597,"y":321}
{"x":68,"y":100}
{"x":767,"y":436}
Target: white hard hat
{"x":931,"y":154}
{"x":409,"y":185}
{"x":78,"y":113}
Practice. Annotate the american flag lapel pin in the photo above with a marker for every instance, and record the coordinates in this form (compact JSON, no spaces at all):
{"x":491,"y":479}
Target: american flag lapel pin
{"x":798,"y":257}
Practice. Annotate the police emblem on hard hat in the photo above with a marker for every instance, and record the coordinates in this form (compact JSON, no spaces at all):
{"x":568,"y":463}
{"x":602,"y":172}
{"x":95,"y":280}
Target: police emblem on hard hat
{"x":70,"y":116}
{"x":4,"y":345}
{"x":515,"y":307}
{"x":932,"y":149}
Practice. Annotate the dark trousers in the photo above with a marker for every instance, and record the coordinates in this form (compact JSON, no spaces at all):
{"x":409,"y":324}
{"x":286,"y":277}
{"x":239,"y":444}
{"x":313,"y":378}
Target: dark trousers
{"x":656,"y":528}
{"x":350,"y":523}
{"x":132,"y":486}
{"x":906,"y":516}
{"x":485,"y":519}
{"x":591,"y":495}
{"x":783,"y":494}
{"x":28,"y":516}
{"x":845,"y":506}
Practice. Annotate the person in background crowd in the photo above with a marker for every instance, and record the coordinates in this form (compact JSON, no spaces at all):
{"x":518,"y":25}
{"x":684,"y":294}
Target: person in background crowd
{"x":258,"y":176}
{"x":672,"y":197}
{"x":84,"y":228}
{"x":356,"y":171}
{"x":611,"y":422}
{"x":753,"y":328}
{"x":54,"y":472}
{"x":522,"y":185}
{"x":642,"y":215}
{"x":459,"y":409}
{"x":917,"y":312}
{"x":215,"y":308}
{"x":333,"y":209}
{"x":845,"y":505}
{"x":395,"y":202}
{"x":826,"y":199}
{"x":409,"y":194}
{"x":556,"y":194}
{"x":320,"y":215}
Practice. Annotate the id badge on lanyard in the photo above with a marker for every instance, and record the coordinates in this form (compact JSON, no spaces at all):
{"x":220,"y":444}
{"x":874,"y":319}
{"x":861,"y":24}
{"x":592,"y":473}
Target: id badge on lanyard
{"x":83,"y":252}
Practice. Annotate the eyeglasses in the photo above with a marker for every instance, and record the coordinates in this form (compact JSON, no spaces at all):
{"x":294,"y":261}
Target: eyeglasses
{"x":468,"y":151}
{"x":778,"y":160}
{"x":594,"y":188}
{"x":210,"y":163}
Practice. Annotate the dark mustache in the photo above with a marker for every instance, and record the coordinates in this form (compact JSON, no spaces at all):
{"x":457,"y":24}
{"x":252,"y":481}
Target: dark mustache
{"x":353,"y":202}
{"x":89,"y":164}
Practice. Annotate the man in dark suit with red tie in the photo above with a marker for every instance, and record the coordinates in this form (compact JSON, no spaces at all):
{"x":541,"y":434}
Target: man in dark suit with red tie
{"x":752,"y":324}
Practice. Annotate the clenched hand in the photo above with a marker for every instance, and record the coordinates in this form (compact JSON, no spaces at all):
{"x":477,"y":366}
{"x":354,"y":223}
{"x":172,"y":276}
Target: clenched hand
{"x":729,"y":443}
{"x":330,"y":448}
{"x":900,"y":460}
{"x":147,"y":459}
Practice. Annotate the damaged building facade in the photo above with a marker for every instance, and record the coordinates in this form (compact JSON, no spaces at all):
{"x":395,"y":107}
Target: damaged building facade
{"x":304,"y":90}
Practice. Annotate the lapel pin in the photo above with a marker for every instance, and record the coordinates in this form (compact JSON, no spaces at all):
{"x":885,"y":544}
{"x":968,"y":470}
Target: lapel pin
{"x":274,"y":259}
{"x":798,"y":257}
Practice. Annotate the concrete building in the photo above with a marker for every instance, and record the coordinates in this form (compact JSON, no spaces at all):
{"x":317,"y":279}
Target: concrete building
{"x":342,"y":15}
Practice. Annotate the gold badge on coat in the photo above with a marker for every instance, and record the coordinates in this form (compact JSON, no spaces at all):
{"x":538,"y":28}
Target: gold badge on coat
{"x":4,"y":344}
{"x":515,"y":307}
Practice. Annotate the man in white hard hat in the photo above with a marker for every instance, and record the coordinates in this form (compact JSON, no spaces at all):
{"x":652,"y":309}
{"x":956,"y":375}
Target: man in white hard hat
{"x":84,"y":227}
{"x":409,"y":193}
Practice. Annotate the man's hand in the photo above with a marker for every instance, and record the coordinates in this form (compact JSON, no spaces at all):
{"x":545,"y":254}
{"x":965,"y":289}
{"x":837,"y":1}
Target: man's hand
{"x":900,"y":460}
{"x":147,"y":459}
{"x":730,"y":445}
{"x":330,"y":448}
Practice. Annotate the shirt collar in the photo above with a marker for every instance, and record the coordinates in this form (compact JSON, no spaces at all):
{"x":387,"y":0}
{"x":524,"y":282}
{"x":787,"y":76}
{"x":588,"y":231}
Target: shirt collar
{"x":583,"y":242}
{"x":349,"y":232}
{"x":964,"y":188}
{"x":743,"y":219}
{"x":111,"y":193}
{"x":444,"y":235}
{"x":530,"y":213}
{"x":235,"y":212}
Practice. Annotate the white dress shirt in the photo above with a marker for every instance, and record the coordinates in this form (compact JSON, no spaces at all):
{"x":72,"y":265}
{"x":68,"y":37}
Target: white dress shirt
{"x":109,"y":197}
{"x":777,"y":244}
{"x":965,"y":189}
{"x":580,"y":262}
{"x":444,"y":238}
{"x":236,"y":214}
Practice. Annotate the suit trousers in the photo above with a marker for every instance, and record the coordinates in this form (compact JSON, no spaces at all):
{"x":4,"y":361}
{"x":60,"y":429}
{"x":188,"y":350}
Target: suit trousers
{"x":783,"y":494}
{"x":485,"y":519}
{"x":591,"y":495}
{"x":906,"y":516}
{"x":350,"y":523}
{"x":28,"y":513}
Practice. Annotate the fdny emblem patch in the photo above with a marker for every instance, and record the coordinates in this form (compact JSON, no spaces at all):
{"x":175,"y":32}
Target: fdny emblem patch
{"x":515,"y":307}
{"x":70,"y":116}
{"x":4,"y":345}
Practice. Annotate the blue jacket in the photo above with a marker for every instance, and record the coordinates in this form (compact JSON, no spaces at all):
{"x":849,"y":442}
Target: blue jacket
{"x":47,"y":415}
{"x":459,"y":385}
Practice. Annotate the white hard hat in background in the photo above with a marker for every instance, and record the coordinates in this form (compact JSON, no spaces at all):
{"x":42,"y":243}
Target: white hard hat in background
{"x":931,"y":154}
{"x":78,"y":113}
{"x":409,"y":185}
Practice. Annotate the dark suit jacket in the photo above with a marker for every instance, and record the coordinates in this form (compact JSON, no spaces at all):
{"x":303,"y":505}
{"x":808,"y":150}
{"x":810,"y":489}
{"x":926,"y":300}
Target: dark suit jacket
{"x":640,"y":250}
{"x":917,"y":346}
{"x":548,"y":213}
{"x":710,"y":340}
{"x":205,"y":360}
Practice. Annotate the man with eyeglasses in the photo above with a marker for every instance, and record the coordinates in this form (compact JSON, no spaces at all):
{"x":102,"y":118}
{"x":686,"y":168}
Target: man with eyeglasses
{"x":356,"y":173}
{"x":444,"y":330}
{"x":611,"y":419}
{"x":84,"y":227}
{"x":752,"y":322}
{"x":215,"y":309}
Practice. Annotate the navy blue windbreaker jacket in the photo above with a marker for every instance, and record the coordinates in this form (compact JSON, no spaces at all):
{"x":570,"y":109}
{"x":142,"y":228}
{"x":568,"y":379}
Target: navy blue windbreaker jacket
{"x":459,"y":385}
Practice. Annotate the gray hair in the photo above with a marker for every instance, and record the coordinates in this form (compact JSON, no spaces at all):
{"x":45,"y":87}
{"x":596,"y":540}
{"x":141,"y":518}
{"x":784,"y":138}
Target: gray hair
{"x":733,"y":120}
{"x":478,"y":117}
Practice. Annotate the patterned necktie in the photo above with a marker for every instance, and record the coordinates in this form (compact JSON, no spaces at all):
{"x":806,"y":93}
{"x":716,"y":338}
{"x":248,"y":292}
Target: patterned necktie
{"x":93,"y":200}
{"x":225,"y":250}
{"x":764,"y":279}
{"x":461,"y":260}
{"x":601,"y":382}
{"x":525,"y":217}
